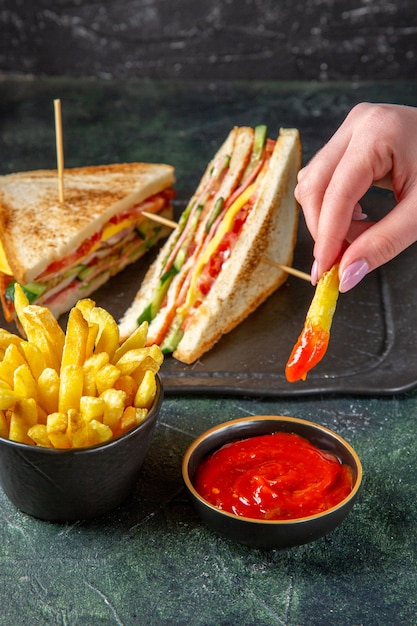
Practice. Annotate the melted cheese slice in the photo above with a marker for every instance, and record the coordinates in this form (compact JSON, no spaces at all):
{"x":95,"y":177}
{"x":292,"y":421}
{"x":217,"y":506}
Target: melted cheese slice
{"x":112,"y":229}
{"x":4,"y":264}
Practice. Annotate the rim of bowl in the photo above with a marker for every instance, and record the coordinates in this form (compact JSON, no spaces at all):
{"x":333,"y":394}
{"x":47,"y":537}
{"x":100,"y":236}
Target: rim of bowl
{"x":105,"y":444}
{"x":273,"y":418}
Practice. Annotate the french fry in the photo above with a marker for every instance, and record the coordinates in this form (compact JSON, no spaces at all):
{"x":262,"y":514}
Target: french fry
{"x":42,"y":414}
{"x":146,"y":391}
{"x":73,"y":389}
{"x":38,"y":433}
{"x":75,"y":344}
{"x":86,"y":305}
{"x":90,"y":368}
{"x":48,"y":323}
{"x":4,"y":425}
{"x":136,"y":340}
{"x":20,"y":301}
{"x":128,"y":385}
{"x":106,"y":377}
{"x":48,"y":389}
{"x":312,"y":343}
{"x":8,"y":398}
{"x":11,"y":361}
{"x":140,"y":415}
{"x":70,"y":388}
{"x":92,"y":408}
{"x":127,"y":420}
{"x":56,"y":428}
{"x":24,"y":383}
{"x":77,"y":430}
{"x":108,"y":334}
{"x":23,"y":415}
{"x":98,"y":432}
{"x":42,"y":329}
{"x":156,"y":354}
{"x":6,"y":339}
{"x":131,"y":360}
{"x":43,"y":319}
{"x":93,"y":330}
{"x":34,"y":358}
{"x":114,"y":405}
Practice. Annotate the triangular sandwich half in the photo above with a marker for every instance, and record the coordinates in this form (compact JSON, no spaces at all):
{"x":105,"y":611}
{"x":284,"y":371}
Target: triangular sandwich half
{"x":60,"y":252}
{"x":210,"y":273}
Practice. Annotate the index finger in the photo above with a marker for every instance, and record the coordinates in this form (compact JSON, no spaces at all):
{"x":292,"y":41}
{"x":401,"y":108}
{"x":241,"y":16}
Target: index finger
{"x":351,"y":179}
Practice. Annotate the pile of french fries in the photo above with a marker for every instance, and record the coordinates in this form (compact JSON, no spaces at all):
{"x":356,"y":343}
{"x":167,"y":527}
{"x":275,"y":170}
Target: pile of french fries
{"x":76,"y":388}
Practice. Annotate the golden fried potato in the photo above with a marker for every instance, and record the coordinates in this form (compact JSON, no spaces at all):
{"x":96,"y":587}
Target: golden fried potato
{"x":34,"y":358}
{"x":24,"y":383}
{"x":42,"y":329}
{"x":136,"y":340}
{"x":56,"y":428}
{"x":76,"y":337}
{"x":48,"y":389}
{"x":146,"y":392}
{"x":106,"y":377}
{"x":4,"y":425}
{"x":70,"y":388}
{"x":98,"y":433}
{"x":91,"y":408}
{"x":8,"y":398}
{"x":114,"y":405}
{"x":76,"y":388}
{"x":38,"y":433}
{"x":23,"y":415}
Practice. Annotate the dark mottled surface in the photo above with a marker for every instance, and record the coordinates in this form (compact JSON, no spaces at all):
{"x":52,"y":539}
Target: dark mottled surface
{"x":264,"y":39}
{"x":151,"y":562}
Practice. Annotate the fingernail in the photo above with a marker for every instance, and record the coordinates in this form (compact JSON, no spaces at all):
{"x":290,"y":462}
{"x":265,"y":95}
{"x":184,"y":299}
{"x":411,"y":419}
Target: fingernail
{"x":353,"y":274}
{"x":358,"y":217}
{"x":314,"y":274}
{"x":358,"y":214}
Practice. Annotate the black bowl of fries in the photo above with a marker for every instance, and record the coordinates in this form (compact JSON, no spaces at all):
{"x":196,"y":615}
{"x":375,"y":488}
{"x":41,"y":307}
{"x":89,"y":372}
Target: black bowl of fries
{"x":276,"y":500}
{"x":63,"y":486}
{"x":78,"y":409}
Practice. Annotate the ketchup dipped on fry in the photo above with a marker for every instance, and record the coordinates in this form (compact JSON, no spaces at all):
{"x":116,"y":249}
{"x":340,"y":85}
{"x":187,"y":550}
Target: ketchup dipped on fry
{"x":312,"y":343}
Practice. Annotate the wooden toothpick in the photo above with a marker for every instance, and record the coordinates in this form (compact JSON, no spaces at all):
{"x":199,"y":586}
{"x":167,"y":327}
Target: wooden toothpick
{"x":289,"y":270}
{"x":160,"y":219}
{"x":59,"y":148}
{"x":285,"y":268}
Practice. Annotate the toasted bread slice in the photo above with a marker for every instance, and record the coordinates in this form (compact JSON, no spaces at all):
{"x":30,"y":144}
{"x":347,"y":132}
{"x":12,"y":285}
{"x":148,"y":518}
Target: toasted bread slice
{"x":36,"y":229}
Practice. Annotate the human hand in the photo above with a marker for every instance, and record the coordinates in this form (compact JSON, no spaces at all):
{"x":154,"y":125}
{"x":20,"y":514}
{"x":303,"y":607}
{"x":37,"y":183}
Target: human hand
{"x":375,"y":145}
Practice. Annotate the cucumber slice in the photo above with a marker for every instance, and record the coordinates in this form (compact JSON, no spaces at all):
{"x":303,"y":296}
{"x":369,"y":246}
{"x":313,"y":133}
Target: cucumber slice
{"x":31,"y":290}
{"x":158,"y":297}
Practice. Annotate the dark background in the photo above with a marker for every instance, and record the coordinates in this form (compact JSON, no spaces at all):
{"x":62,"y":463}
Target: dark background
{"x":321,"y":40}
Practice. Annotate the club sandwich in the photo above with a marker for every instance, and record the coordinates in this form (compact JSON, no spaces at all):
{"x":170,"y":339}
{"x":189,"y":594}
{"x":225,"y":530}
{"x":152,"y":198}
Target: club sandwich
{"x":211,"y":272}
{"x":60,"y":252}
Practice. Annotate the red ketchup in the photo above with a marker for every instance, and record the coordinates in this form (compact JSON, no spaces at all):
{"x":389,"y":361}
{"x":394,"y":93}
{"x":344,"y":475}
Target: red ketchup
{"x":277,"y":476}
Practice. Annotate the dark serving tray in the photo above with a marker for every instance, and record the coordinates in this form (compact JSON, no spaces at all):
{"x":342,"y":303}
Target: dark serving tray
{"x":372,"y":346}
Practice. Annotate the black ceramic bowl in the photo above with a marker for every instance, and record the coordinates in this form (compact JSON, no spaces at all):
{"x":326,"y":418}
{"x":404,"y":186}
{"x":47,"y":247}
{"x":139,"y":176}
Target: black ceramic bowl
{"x":76,"y":484}
{"x":270,"y":534}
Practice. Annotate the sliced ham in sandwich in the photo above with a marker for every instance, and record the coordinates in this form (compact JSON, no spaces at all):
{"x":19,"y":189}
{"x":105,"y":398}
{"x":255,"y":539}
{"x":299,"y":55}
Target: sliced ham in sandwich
{"x":211,"y":274}
{"x":61,"y":252}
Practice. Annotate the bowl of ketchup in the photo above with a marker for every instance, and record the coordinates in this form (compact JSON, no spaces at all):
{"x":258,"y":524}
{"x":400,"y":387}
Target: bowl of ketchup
{"x":272,"y":481}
